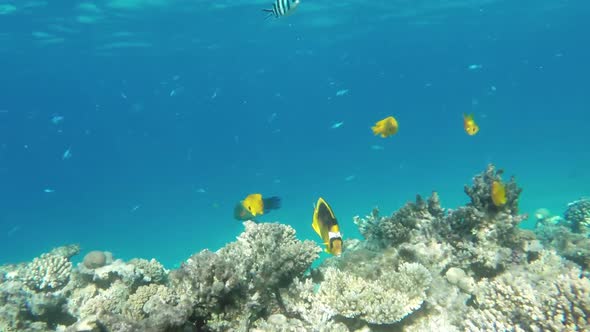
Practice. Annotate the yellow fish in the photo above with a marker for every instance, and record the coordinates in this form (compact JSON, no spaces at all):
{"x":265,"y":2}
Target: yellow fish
{"x":498,"y":193}
{"x":254,"y":205}
{"x":325,"y":224}
{"x":386,"y":127}
{"x":471,"y":128}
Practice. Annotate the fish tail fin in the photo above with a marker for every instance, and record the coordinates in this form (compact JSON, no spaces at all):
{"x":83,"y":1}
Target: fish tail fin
{"x":269,"y":13}
{"x":272,"y":203}
{"x":375,"y":130}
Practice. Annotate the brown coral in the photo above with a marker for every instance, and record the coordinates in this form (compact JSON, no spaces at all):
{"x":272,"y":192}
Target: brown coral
{"x":480,"y":192}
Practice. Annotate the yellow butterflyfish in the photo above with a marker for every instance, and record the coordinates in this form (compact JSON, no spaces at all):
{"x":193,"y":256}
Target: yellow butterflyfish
{"x":498,"y":193}
{"x":386,"y":127}
{"x":471,"y":128}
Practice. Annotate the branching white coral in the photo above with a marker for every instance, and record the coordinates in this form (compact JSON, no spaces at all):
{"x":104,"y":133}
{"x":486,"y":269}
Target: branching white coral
{"x":47,"y":273}
{"x":385,"y":300}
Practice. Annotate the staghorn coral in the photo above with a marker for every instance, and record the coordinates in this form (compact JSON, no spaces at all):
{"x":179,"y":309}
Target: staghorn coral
{"x":480,"y":192}
{"x":237,"y":284}
{"x":384,"y":300}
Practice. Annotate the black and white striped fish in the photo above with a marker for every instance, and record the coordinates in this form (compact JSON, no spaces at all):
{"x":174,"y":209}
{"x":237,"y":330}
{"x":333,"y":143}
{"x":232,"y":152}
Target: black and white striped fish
{"x":282,"y":8}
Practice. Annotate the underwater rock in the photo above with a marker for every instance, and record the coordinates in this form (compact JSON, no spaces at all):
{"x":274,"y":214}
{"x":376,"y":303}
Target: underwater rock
{"x":95,"y":259}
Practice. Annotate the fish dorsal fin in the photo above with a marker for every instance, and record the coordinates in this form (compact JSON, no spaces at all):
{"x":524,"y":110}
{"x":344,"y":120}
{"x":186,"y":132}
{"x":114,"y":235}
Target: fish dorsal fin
{"x":323,"y":219}
{"x":316,"y":223}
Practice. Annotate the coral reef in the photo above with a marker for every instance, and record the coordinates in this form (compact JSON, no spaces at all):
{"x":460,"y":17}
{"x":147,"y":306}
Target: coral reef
{"x":545,"y":295}
{"x":569,"y":236}
{"x":215,"y":291}
{"x":578,"y":216}
{"x":424,"y":268}
{"x":480,"y":192}
{"x":241,"y":281}
{"x":384,"y":300}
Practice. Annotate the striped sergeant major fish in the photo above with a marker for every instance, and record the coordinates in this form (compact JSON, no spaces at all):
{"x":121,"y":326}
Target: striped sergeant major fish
{"x":282,"y":8}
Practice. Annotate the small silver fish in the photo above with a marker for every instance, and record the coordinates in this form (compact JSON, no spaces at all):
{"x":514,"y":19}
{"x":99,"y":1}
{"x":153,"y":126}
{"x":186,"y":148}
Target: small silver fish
{"x":67,"y":154}
{"x":56,"y":119}
{"x":342,"y":92}
{"x":337,"y":125}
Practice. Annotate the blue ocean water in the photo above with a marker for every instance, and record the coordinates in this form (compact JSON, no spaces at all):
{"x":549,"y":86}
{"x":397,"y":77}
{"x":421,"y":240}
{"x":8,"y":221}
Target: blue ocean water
{"x":134,"y":126}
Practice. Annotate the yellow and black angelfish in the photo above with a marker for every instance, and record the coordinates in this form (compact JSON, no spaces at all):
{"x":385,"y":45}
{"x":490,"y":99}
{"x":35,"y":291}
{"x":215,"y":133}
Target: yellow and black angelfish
{"x":326,"y":225}
{"x":254,"y":205}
